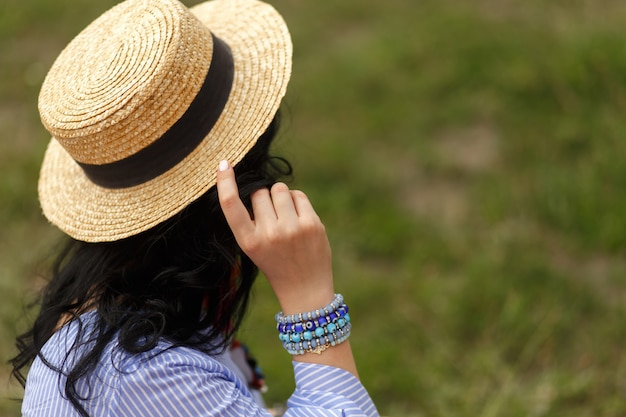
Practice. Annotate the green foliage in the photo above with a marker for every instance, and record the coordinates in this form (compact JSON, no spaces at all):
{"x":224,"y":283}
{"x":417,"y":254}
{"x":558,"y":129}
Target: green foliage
{"x":468,"y":161}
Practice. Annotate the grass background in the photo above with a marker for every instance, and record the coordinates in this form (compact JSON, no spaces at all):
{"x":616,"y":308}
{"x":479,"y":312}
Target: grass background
{"x":468,"y":159}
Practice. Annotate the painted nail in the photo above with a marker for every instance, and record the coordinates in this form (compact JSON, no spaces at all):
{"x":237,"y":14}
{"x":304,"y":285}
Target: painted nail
{"x":223,"y":165}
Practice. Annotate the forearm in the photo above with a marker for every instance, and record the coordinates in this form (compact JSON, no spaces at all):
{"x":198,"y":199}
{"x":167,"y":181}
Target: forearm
{"x":339,"y":356}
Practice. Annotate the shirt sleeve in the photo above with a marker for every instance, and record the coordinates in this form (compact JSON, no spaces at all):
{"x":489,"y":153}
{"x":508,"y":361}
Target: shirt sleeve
{"x":325,"y":390}
{"x":174,"y":386}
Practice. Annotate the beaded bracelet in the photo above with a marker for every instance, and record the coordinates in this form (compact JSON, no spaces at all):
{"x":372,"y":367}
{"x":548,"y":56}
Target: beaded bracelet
{"x":314,"y":314}
{"x":315,"y":331}
{"x":338,"y":315}
{"x":321,"y":331}
{"x":318,"y":345}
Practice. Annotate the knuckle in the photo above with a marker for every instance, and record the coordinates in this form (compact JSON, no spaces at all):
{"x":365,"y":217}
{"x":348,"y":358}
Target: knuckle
{"x":283,"y":234}
{"x":249,"y":244}
{"x":291,"y":233}
{"x":298,"y":194}
{"x":280,"y":187}
{"x":312,"y":222}
{"x":259,"y":192}
{"x":228,"y":201}
{"x":274,"y":237}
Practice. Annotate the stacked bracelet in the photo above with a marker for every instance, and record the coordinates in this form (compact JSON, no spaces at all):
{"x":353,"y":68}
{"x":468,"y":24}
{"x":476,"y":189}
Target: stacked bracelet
{"x":315,"y":331}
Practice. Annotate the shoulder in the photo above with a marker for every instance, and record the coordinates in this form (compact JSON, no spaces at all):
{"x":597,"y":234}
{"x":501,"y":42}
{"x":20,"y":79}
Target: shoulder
{"x":165,"y":356}
{"x":166,"y":364}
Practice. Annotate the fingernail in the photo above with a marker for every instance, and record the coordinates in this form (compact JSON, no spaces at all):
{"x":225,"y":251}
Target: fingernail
{"x":223,"y":165}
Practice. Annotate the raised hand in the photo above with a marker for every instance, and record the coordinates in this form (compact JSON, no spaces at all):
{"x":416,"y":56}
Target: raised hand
{"x":285,"y":238}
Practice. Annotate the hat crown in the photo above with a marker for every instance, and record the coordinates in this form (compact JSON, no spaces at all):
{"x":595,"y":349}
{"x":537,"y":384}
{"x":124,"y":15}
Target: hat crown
{"x":125,"y":80}
{"x":146,"y":100}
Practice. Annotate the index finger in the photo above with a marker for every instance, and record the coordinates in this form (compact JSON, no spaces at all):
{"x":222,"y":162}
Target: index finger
{"x":234,"y":210}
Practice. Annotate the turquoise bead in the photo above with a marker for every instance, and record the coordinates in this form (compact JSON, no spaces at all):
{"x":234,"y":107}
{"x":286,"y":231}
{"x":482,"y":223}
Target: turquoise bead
{"x":347,"y":317}
{"x":295,"y":337}
{"x":331,"y":327}
{"x":319,"y":332}
{"x":341,"y":323}
{"x":307,"y":335}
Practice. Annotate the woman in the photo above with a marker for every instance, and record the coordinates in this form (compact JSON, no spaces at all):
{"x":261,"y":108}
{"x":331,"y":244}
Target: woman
{"x":159,"y":172}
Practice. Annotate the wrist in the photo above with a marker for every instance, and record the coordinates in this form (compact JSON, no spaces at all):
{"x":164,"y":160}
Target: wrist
{"x":298,"y":303}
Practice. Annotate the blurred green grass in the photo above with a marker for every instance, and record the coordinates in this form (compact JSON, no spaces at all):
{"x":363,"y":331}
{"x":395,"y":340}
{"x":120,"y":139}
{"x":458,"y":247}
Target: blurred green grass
{"x":468,"y":161}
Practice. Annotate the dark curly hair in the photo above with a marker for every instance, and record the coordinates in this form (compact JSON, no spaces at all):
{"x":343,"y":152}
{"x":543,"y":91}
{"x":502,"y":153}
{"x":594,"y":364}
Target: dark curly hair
{"x":185,"y":281}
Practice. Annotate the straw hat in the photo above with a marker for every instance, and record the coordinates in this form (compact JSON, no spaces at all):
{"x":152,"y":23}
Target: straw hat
{"x":144,"y":103}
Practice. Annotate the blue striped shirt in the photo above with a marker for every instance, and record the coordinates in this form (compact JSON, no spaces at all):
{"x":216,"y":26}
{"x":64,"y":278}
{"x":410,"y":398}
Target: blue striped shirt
{"x":179,"y":382}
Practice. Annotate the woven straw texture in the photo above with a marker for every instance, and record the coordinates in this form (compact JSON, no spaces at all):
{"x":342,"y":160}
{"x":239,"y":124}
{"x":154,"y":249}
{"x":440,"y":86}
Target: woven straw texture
{"x":126,"y":79}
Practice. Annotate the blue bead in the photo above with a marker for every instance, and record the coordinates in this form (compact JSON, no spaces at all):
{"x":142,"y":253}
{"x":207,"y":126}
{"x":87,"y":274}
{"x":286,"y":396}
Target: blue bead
{"x":298,"y":327}
{"x":331,"y":327}
{"x":332,"y":316}
{"x":313,"y":343}
{"x":307,"y":335}
{"x":331,"y":338}
{"x":295,"y":337}
{"x":319,"y":332}
{"x":309,"y":325}
{"x":321,"y":321}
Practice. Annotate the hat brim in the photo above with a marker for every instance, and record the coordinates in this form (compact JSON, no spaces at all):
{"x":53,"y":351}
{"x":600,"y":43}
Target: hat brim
{"x":261,"y":47}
